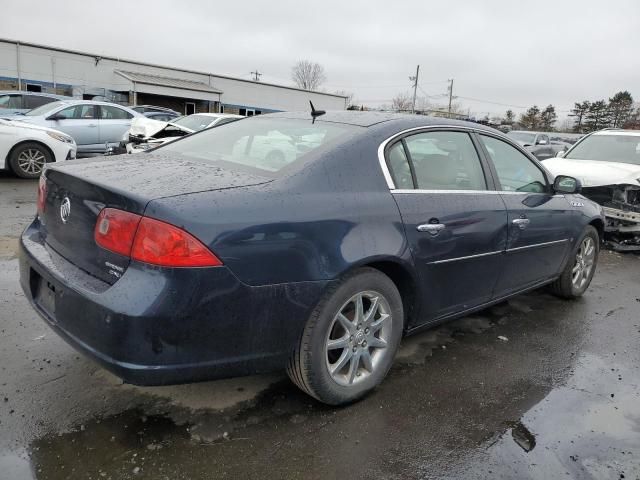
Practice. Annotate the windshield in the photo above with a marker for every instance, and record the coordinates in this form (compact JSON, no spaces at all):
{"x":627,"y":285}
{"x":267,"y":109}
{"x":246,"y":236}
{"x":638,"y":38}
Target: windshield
{"x":522,"y":136}
{"x":268,"y":144}
{"x":195,"y":122}
{"x":608,"y":148}
{"x":46,"y":108}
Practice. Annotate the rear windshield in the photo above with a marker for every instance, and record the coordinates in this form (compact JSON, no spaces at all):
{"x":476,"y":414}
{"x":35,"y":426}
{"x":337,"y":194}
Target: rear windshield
{"x":608,"y":148}
{"x":268,"y":144}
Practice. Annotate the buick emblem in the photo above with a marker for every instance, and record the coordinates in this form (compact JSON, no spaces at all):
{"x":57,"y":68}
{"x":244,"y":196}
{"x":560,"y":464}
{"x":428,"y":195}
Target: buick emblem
{"x":65,"y":209}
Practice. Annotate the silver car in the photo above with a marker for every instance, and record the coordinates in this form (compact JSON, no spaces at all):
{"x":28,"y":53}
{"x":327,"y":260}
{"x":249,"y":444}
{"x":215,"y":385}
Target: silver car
{"x":95,"y":126}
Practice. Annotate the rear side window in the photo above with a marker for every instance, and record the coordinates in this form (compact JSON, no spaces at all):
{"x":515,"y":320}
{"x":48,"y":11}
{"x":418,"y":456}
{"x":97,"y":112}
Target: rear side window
{"x":114,"y":113}
{"x":264,"y":143}
{"x":10,"y":101}
{"x":445,"y":161}
{"x":516,"y":172}
{"x":399,"y":167}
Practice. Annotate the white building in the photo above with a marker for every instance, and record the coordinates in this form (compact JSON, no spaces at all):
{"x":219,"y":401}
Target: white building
{"x":27,"y":66}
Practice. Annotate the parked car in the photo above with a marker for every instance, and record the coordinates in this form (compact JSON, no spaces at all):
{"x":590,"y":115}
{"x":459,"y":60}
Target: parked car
{"x":538,"y":143}
{"x":162,"y":114}
{"x":198,"y":261}
{"x":146,"y":133}
{"x":608,"y":165}
{"x":95,"y":126}
{"x":25,"y":149}
{"x":16,"y":101}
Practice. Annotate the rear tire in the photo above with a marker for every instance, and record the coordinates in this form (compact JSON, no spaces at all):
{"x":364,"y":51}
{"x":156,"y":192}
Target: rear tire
{"x":577,"y":275}
{"x":350,"y":339}
{"x":27,"y":160}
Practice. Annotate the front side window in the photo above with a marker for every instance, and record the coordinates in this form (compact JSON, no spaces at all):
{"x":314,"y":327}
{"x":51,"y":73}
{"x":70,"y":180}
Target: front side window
{"x":78,"y":112}
{"x":516,"y":172}
{"x":608,"y":148}
{"x":113,"y":113}
{"x":445,"y":161}
{"x":267,"y":144}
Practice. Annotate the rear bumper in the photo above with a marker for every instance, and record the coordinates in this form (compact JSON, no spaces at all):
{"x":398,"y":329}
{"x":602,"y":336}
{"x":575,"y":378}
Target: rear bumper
{"x":158,"y":326}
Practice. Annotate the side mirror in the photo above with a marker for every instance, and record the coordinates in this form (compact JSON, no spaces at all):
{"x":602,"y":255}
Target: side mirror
{"x":561,"y":154}
{"x":566,"y":184}
{"x":56,"y":116}
{"x":542,"y":142}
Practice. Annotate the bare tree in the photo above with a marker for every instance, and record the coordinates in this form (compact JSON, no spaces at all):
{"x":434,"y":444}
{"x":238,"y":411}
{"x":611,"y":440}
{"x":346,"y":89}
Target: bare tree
{"x":401,"y":102}
{"x":308,"y":75}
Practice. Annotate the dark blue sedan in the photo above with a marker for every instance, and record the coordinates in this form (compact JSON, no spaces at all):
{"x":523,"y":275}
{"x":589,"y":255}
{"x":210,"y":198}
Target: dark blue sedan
{"x":286,"y":241}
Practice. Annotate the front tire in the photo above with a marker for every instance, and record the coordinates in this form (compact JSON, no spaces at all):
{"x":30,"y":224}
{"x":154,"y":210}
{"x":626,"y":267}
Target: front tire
{"x":27,"y":160}
{"x":578,"y":273}
{"x":350,"y":339}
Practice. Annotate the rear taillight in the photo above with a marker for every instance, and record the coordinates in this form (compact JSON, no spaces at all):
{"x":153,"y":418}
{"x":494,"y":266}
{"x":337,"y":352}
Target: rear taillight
{"x":151,"y":241}
{"x":116,"y":229}
{"x":42,"y":195}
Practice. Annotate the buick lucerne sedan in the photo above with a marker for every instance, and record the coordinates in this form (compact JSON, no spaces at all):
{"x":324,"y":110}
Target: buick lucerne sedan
{"x":205,"y":259}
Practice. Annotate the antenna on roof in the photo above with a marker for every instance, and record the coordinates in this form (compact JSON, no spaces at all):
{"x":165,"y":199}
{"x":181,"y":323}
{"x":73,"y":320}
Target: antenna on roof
{"x":315,"y":113}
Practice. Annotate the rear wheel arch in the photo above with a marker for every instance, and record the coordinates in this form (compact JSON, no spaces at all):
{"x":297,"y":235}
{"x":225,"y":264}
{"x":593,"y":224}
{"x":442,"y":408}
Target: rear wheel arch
{"x":404,"y":280}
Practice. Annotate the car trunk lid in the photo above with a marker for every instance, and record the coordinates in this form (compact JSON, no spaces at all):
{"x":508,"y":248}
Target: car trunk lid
{"x":78,"y":190}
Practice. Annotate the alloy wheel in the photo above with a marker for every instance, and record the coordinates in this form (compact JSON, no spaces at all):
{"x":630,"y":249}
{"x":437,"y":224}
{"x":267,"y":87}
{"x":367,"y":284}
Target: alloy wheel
{"x":358,"y":337}
{"x":31,"y":161}
{"x":585,"y":259}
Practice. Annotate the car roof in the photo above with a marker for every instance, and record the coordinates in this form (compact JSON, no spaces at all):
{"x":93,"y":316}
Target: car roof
{"x":618,"y":131}
{"x":35,"y":94}
{"x":369,"y":119}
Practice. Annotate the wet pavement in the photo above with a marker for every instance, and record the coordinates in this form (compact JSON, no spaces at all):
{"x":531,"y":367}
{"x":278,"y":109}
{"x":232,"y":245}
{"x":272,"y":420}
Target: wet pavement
{"x":535,"y":388}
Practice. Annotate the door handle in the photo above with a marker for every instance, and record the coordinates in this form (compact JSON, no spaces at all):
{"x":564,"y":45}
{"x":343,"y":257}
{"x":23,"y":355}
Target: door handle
{"x":521,"y":223}
{"x":432,"y":228}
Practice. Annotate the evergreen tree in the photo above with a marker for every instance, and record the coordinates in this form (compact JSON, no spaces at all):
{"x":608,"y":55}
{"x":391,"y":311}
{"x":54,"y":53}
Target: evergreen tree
{"x":548,"y":118}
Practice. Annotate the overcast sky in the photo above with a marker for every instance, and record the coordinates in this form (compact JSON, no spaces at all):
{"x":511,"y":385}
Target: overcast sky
{"x":515,"y":53}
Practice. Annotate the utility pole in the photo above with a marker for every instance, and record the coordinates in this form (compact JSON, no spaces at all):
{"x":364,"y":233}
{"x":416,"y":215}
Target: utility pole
{"x":256,"y":75}
{"x":415,"y":89}
{"x":450,"y":94}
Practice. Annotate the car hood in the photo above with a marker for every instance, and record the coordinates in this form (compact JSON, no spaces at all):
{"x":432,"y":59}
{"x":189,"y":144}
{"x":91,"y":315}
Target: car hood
{"x":144,"y":127}
{"x":28,"y":126}
{"x":594,"y":173}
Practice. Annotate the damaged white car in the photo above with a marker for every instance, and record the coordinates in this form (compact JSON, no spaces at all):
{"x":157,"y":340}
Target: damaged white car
{"x":146,"y":133}
{"x":607,"y":163}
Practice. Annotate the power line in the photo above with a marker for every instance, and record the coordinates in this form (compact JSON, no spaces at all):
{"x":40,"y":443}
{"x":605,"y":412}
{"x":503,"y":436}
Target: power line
{"x":490,"y":102}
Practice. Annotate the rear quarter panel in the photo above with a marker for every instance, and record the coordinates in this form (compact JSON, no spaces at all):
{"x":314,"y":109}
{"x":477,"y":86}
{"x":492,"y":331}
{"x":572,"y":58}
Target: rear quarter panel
{"x":330,"y":215}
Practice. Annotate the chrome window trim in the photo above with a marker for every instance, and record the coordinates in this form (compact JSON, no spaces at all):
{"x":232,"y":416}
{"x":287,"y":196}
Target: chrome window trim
{"x":383,"y":145}
{"x":544,"y":244}
{"x":469,"y":192}
{"x":468,"y":257}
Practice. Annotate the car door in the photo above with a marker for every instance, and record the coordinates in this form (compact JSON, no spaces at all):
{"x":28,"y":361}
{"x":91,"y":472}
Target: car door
{"x":538,"y":221}
{"x":114,"y":123}
{"x":81,"y":123}
{"x":454,"y":221}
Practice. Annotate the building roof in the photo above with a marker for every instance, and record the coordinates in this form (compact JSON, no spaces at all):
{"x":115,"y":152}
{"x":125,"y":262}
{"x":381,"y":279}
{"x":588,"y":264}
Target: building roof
{"x":162,"y":81}
{"x":136,"y":62}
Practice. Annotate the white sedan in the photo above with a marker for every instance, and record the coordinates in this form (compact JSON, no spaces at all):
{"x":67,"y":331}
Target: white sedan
{"x":24,"y":148}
